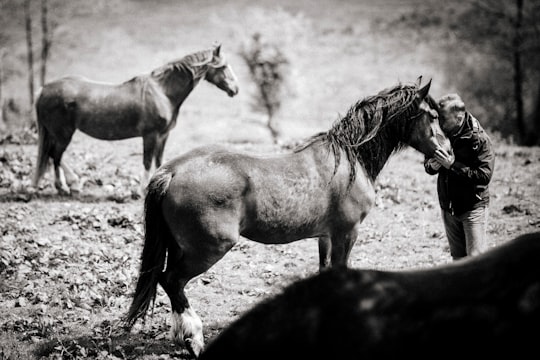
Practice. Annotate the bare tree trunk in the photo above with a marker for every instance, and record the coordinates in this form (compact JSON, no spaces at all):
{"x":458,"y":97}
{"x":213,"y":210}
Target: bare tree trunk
{"x":1,"y":87}
{"x":30,"y":52}
{"x":45,"y":41}
{"x":534,"y":139}
{"x":1,"y":77}
{"x":518,"y":72}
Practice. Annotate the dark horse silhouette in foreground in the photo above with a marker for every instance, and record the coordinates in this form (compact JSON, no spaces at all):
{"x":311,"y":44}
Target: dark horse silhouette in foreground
{"x":146,"y":106}
{"x":198,"y":205}
{"x":484,"y":307}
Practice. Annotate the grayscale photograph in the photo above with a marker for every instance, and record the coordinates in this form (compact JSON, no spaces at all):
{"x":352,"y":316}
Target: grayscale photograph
{"x":269,"y":179}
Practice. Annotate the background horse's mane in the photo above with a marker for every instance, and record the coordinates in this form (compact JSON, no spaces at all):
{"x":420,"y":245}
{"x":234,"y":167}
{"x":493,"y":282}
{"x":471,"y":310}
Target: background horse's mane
{"x":364,"y":133}
{"x":195,"y":63}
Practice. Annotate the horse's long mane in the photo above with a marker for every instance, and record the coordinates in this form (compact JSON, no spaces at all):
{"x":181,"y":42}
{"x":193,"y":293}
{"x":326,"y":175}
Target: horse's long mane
{"x":364,"y":134}
{"x":195,"y":63}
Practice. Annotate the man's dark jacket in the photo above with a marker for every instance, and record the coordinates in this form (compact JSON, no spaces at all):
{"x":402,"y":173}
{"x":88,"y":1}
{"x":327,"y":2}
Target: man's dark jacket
{"x":464,"y":186}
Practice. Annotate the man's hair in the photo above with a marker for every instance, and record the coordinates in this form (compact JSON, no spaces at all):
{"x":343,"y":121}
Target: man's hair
{"x":452,"y":102}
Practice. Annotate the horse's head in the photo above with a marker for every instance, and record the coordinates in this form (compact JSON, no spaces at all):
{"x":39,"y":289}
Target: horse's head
{"x":220,"y":73}
{"x":427,"y":135}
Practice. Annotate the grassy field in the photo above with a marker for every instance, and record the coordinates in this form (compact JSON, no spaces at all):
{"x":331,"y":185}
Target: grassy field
{"x":68,"y":265}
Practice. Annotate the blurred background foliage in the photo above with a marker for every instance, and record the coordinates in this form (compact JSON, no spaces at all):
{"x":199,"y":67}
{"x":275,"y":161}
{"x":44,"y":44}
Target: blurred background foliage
{"x":335,"y":52}
{"x":492,"y":52}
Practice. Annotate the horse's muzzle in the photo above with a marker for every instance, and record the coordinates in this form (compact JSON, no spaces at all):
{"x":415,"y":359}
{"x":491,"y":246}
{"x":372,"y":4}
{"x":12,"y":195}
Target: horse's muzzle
{"x":232,"y":91}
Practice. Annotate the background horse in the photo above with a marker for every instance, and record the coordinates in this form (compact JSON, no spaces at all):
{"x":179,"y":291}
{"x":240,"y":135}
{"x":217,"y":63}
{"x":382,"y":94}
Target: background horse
{"x":486,"y":306}
{"x":147,"y":106}
{"x":199,"y":204}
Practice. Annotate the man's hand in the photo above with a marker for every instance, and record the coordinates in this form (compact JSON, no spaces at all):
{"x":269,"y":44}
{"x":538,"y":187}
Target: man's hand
{"x":444,"y":158}
{"x":434,"y":164}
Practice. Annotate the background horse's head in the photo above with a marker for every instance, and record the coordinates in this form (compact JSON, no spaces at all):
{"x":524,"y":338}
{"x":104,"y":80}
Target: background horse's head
{"x":220,"y":73}
{"x":426,"y":134}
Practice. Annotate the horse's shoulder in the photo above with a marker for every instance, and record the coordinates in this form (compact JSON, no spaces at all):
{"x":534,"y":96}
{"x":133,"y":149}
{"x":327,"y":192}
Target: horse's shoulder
{"x":152,"y":97}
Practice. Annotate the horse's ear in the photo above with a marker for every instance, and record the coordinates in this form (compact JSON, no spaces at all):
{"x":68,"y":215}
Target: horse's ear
{"x":418,"y":81}
{"x":422,"y":92}
{"x":217,"y":50}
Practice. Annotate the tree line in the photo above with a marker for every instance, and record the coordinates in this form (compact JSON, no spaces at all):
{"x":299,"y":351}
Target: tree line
{"x":45,"y":46}
{"x":492,"y":52}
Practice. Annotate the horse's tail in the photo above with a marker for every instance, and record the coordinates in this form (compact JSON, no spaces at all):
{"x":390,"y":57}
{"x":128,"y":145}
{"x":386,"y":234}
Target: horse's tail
{"x":45,"y":145}
{"x":157,"y":236}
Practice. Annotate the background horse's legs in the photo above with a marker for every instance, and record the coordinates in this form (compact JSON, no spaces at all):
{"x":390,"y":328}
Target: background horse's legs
{"x":60,"y":180}
{"x":72,"y":179}
{"x":342,"y":244}
{"x":325,"y":248}
{"x":149,"y":149}
{"x":59,"y":147}
{"x":160,"y":146}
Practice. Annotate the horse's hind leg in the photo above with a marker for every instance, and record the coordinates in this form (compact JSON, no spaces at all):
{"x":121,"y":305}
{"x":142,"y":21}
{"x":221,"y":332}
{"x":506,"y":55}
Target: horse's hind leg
{"x":196,"y":253}
{"x":186,"y":326}
{"x":72,"y":179}
{"x":60,"y":179}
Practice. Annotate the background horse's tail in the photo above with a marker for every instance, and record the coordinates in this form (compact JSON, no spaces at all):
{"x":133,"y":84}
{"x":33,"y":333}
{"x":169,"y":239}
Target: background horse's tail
{"x":45,"y":147}
{"x":154,"y":252}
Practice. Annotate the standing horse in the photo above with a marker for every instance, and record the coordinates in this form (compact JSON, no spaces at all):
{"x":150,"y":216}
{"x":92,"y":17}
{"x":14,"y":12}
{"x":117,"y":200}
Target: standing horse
{"x":198,"y":205}
{"x":146,"y":106}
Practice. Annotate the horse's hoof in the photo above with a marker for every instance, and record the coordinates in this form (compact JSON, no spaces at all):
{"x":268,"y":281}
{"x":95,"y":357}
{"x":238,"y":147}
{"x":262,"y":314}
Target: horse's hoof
{"x":75,"y":189}
{"x":31,"y":190}
{"x":136,"y":195}
{"x":64,"y":191}
{"x":194,"y":347}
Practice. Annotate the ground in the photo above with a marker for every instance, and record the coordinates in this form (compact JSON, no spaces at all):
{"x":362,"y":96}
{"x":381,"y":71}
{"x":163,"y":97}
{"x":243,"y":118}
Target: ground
{"x":68,"y":265}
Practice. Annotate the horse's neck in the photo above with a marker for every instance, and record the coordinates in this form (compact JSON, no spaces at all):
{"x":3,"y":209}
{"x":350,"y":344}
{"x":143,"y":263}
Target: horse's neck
{"x":177,"y":86}
{"x":375,"y":153}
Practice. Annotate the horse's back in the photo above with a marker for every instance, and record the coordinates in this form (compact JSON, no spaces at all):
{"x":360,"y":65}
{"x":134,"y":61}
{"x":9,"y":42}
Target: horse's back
{"x":65,"y":92}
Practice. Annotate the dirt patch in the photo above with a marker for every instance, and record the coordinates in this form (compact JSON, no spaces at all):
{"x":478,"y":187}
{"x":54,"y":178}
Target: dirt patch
{"x":69,"y":265}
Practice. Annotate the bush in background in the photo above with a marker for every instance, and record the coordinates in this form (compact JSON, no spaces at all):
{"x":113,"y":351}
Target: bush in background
{"x":271,"y":40}
{"x":268,"y":67}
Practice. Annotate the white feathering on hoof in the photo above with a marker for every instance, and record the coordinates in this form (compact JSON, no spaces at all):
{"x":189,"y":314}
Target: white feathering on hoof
{"x":186,"y":330}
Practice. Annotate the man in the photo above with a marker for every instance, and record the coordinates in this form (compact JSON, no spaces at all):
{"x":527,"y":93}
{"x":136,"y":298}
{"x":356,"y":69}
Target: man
{"x":464,"y":176}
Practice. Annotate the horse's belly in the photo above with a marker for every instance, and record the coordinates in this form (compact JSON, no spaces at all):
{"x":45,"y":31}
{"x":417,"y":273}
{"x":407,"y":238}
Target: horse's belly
{"x":109,"y":126}
{"x":113,"y":132}
{"x":284,"y":225}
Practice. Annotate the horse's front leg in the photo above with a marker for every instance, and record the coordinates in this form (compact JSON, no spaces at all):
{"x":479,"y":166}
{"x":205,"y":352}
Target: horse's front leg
{"x":342,"y":243}
{"x":325,"y":248}
{"x":149,"y":149}
{"x":160,"y":147}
